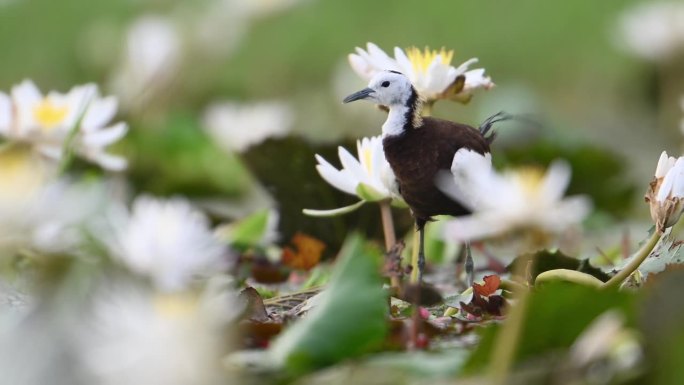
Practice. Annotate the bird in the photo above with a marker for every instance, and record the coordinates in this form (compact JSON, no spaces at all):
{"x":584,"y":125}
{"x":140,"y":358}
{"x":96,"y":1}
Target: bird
{"x":419,"y":149}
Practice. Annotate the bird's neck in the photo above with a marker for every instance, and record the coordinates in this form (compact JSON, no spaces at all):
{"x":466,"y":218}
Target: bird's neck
{"x":403,"y":117}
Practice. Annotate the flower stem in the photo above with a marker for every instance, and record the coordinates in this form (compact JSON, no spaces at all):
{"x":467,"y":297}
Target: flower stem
{"x":506,"y":342}
{"x":634,"y":264}
{"x":414,"y":258}
{"x":388,"y":231}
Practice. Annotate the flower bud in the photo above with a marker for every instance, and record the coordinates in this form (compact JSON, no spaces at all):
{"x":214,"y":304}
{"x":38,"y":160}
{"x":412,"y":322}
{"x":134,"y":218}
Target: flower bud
{"x":666,"y":192}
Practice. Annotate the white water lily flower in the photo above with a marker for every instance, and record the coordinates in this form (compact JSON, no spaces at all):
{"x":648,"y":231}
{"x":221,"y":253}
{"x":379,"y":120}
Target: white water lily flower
{"x":167,"y":240}
{"x":236,"y":127}
{"x":47,"y":122}
{"x":654,"y":31}
{"x":520,"y":200}
{"x":430,"y":71}
{"x":38,"y":212}
{"x":369,"y":177}
{"x":666,"y":192}
{"x":133,"y":336}
{"x":150,"y":61}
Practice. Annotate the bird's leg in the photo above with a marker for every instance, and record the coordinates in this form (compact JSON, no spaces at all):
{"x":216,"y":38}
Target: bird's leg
{"x":469,"y":265}
{"x":421,"y":252}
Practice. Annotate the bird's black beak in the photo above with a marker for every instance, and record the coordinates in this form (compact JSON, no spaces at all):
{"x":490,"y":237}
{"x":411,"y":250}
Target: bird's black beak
{"x":358,"y":95}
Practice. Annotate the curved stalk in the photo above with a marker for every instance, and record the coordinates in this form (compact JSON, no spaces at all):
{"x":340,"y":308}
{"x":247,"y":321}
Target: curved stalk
{"x":636,"y":261}
{"x":566,"y":275}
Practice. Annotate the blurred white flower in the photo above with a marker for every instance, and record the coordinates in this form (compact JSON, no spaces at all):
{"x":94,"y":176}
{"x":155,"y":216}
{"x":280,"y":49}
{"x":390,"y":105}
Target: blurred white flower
{"x":236,"y":127}
{"x":167,"y":240}
{"x":654,"y":31}
{"x":521,"y":200}
{"x":133,"y":336}
{"x":40,"y":213}
{"x":47,"y":122}
{"x":430,"y":71}
{"x":665,"y":194}
{"x":150,"y":62}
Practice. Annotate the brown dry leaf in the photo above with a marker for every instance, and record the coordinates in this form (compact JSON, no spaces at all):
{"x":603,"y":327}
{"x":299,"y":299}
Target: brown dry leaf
{"x":491,"y":285}
{"x":306,"y":252}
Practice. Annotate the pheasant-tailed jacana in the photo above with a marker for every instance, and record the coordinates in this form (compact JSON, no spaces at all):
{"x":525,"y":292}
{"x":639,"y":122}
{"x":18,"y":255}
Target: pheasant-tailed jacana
{"x":418,"y":148}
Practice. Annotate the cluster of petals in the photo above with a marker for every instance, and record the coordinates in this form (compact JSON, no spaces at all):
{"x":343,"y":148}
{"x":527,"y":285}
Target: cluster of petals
{"x":666,"y":192}
{"x":79,"y":119}
{"x":509,"y":202}
{"x":430,"y":71}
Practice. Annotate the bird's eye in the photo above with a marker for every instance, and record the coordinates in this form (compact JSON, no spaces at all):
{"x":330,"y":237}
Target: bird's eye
{"x":385,"y":83}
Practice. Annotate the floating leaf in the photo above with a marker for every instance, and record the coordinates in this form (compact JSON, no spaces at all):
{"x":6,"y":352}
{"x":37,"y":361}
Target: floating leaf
{"x":557,"y":314}
{"x":349,"y":319}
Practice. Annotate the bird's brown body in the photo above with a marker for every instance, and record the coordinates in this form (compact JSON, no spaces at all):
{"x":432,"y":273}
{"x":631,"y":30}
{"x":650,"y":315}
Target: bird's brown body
{"x":419,"y":154}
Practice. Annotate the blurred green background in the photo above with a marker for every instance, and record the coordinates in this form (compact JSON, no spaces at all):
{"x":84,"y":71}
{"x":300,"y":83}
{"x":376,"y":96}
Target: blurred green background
{"x":609,"y":112}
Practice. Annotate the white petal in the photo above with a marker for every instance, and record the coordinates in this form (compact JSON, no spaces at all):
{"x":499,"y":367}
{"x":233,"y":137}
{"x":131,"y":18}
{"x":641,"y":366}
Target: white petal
{"x":352,"y":165}
{"x":361,"y":66}
{"x":334,"y":177}
{"x":476,"y":79}
{"x":99,"y":113}
{"x":105,"y":136}
{"x":379,"y":59}
{"x":474,"y":227}
{"x":556,"y":181}
{"x":665,"y":163}
{"x":678,"y":185}
{"x":25,"y":96}
{"x":404,"y":63}
{"x":109,"y":162}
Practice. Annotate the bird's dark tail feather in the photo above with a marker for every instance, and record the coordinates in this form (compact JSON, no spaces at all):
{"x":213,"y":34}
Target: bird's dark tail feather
{"x":501,"y":116}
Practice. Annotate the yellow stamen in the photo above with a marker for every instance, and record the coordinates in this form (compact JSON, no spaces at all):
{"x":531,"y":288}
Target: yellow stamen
{"x":530,"y":179}
{"x":421,"y":60}
{"x":48,"y":115}
{"x":365,"y":157}
{"x":175,"y":305}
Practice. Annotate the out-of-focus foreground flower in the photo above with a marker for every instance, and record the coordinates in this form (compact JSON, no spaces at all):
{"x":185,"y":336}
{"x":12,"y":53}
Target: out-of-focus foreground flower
{"x":665,"y":194}
{"x":369,"y":177}
{"x":39,"y":213}
{"x":78,"y":120}
{"x":236,"y":127}
{"x":430,"y":71}
{"x":168,"y":241}
{"x":654,"y":30}
{"x":134,"y":336}
{"x":524,"y":200}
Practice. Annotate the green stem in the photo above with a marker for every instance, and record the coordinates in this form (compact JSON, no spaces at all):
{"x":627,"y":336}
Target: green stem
{"x":388,"y":231}
{"x":506,"y":342}
{"x":636,"y":261}
{"x":414,"y":258}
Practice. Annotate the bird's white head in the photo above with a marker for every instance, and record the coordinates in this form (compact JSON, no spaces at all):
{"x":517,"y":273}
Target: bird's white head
{"x":387,"y":88}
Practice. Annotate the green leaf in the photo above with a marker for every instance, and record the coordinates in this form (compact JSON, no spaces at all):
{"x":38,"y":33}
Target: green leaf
{"x":349,"y":318}
{"x":249,"y":231}
{"x":333,"y":212}
{"x":557,"y":314}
